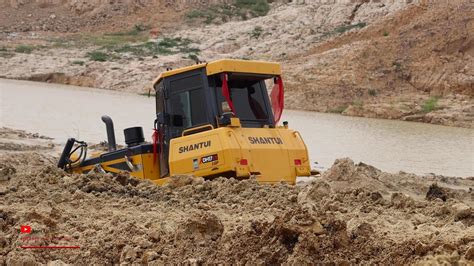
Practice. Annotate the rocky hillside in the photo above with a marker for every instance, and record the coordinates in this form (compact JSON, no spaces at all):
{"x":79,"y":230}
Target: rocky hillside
{"x":395,"y":67}
{"x":409,"y":60}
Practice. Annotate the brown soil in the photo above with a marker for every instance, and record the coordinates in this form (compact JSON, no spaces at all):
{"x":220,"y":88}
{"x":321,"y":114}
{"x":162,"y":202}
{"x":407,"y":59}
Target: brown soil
{"x":89,"y":15}
{"x":12,"y":140}
{"x":353,"y":213}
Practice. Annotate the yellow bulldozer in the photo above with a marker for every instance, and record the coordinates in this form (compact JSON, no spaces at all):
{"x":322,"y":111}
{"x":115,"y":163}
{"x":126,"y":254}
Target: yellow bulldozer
{"x":212,"y":119}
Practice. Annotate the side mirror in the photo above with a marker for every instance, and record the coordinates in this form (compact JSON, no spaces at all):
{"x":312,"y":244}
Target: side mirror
{"x":163,"y":118}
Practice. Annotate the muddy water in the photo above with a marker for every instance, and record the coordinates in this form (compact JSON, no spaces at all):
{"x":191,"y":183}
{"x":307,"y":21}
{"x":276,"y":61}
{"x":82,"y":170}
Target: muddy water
{"x":65,"y":111}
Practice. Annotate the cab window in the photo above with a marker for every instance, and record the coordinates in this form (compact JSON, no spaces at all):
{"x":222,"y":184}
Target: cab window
{"x":247,"y":96}
{"x":187,"y":109}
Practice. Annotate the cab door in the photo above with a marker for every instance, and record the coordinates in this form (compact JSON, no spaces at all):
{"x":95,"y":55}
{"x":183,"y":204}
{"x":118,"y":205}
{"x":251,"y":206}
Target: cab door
{"x":187,"y":105}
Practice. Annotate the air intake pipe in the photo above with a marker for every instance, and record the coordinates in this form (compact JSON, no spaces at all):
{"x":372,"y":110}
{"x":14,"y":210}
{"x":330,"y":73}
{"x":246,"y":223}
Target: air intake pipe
{"x":109,"y":124}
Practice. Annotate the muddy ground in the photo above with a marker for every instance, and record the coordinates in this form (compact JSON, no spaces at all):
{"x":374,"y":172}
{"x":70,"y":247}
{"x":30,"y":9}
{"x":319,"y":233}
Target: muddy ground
{"x":351,"y":214}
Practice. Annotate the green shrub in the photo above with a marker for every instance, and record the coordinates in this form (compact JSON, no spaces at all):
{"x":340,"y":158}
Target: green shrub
{"x":372,"y":92}
{"x":256,"y":32}
{"x":338,"y":110}
{"x":344,"y":28}
{"x":243,"y":9}
{"x":170,"y":42}
{"x":398,"y":66}
{"x":140,"y":27}
{"x":208,"y":15}
{"x":386,"y":33}
{"x":78,"y":62}
{"x":430,"y":105}
{"x":193,"y":57}
{"x":3,"y":49}
{"x":25,"y":49}
{"x":255,"y":7}
{"x":98,"y":56}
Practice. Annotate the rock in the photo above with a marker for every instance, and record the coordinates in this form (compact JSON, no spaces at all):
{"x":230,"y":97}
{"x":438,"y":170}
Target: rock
{"x":362,"y":230}
{"x":375,"y":196}
{"x":56,"y":263}
{"x":149,"y":256}
{"x":462,"y":211}
{"x":318,"y":190}
{"x":155,"y":236}
{"x":401,"y":201}
{"x":469,"y":254}
{"x":128,"y":254}
{"x":6,"y":171}
{"x":293,"y":198}
{"x":201,"y":226}
{"x":436,"y":192}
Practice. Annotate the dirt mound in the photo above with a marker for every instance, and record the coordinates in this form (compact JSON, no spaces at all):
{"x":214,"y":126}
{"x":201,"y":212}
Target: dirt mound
{"x":12,"y":140}
{"x":336,"y":219}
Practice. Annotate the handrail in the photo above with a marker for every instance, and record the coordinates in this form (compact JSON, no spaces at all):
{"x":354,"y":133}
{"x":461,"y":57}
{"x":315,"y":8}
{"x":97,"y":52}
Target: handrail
{"x":197,"y":129}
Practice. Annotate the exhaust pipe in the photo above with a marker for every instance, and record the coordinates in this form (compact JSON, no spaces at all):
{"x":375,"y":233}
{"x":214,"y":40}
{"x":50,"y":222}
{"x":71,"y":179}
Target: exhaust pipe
{"x":63,"y":160}
{"x":109,"y":124}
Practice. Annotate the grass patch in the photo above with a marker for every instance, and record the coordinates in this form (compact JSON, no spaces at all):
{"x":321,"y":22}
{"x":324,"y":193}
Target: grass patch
{"x":134,"y":42}
{"x":165,"y":46}
{"x":238,"y":9}
{"x":3,"y":49}
{"x":78,"y":62}
{"x":386,"y":33}
{"x":344,"y":28}
{"x":98,"y":56}
{"x":256,"y":32}
{"x":358,"y":103}
{"x":256,"y":8}
{"x":338,"y":110}
{"x":430,"y":105}
{"x":25,"y":49}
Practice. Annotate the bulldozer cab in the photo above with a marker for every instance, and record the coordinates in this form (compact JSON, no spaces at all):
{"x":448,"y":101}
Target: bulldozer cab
{"x":213,"y":120}
{"x":205,"y":96}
